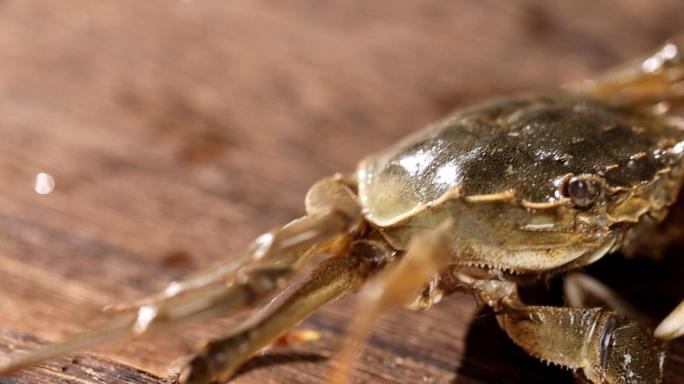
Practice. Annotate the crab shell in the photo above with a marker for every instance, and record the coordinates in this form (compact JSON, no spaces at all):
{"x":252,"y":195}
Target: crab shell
{"x":497,"y":170}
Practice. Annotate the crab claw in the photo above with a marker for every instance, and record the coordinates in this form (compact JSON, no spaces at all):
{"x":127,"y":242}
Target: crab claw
{"x":605,"y":347}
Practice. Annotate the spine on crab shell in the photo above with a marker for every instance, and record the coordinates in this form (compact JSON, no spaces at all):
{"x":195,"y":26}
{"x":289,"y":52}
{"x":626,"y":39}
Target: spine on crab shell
{"x":606,"y":347}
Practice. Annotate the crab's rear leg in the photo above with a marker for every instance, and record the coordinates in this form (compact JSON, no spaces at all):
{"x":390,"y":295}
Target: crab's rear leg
{"x":657,"y":78}
{"x":272,"y":260}
{"x":604,"y":346}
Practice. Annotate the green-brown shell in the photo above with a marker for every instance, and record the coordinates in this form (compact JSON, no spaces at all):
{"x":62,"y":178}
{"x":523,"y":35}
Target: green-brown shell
{"x":499,"y":172}
{"x":522,"y":146}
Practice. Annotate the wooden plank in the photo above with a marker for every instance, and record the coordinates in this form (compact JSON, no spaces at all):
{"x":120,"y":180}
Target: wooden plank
{"x":75,"y":369}
{"x":177,"y":131}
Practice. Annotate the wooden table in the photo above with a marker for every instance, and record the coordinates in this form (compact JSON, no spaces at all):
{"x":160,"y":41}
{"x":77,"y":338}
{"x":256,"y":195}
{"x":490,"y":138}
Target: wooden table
{"x":177,"y":131}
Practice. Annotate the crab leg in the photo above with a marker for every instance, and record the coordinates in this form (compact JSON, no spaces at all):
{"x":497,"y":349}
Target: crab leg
{"x":220,"y":358}
{"x":397,"y":285}
{"x":193,"y":285}
{"x":673,"y":325}
{"x":331,"y":191}
{"x":580,"y":288}
{"x":272,"y":260}
{"x":657,"y":78}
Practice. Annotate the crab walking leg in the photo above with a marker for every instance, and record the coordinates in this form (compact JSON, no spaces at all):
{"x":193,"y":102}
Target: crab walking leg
{"x":276,"y":257}
{"x":220,"y":358}
{"x":657,"y":78}
{"x":580,"y":288}
{"x":193,"y":285}
{"x":332,"y":191}
{"x":605,"y":346}
{"x":673,"y":325}
{"x":427,"y":254}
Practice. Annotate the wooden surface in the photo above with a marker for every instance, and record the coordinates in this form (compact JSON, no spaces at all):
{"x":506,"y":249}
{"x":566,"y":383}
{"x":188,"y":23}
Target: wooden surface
{"x":178,"y":130}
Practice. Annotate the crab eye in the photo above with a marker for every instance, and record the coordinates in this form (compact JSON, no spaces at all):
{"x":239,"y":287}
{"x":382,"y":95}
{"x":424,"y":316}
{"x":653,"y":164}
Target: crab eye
{"x":584,"y":190}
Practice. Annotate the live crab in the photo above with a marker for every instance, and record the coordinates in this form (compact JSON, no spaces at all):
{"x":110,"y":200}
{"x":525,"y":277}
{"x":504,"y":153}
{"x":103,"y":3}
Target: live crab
{"x":493,"y":197}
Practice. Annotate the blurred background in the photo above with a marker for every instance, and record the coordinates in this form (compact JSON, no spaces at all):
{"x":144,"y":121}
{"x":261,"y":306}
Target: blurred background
{"x":176,"y":131}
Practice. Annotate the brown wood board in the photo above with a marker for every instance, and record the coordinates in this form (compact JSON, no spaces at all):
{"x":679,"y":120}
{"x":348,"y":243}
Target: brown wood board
{"x":179,"y":130}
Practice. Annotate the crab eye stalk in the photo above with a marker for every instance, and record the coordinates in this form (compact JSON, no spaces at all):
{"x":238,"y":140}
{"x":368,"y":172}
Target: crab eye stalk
{"x":583,"y":190}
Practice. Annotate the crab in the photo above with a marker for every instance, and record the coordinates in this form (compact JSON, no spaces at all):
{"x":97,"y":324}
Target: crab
{"x":493,"y":197}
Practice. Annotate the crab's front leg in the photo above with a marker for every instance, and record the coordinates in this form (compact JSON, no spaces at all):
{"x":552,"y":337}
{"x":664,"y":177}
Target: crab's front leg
{"x":341,"y":274}
{"x":272,"y":261}
{"x":604,"y":346}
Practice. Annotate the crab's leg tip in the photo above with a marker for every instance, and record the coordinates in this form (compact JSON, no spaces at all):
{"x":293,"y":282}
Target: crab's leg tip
{"x":194,"y":371}
{"x":8,"y":365}
{"x":668,"y":330}
{"x":672,"y":326}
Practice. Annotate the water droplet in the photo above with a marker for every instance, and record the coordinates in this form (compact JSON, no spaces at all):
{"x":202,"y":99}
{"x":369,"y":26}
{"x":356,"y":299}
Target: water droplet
{"x":44,"y":183}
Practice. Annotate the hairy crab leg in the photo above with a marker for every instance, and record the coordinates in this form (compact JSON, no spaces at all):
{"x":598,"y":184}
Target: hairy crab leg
{"x":657,"y":78}
{"x":604,"y":346}
{"x":273,"y":259}
{"x":580,"y":288}
{"x":397,"y":285}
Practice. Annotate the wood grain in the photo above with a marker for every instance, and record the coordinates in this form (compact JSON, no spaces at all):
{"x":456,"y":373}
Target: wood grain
{"x":178,"y":130}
